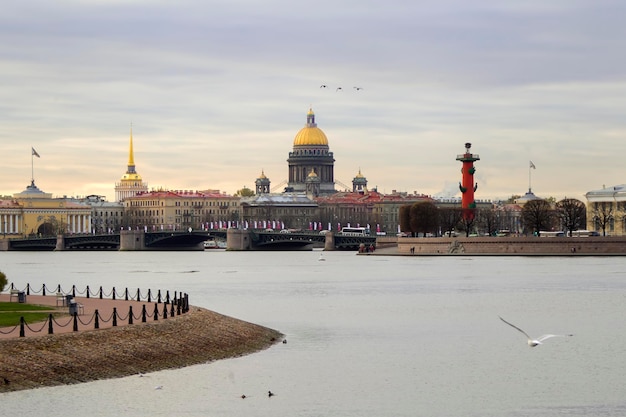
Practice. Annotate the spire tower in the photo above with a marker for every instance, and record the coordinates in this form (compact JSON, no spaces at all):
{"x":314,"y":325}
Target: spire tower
{"x":131,"y":183}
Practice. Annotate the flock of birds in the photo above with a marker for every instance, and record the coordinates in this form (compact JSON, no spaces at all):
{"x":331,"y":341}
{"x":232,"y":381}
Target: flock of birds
{"x":341,"y":88}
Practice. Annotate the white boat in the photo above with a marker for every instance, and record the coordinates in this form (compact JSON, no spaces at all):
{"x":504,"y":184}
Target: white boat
{"x":210,"y":244}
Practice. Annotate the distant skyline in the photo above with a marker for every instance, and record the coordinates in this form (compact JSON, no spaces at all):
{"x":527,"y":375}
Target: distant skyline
{"x":216,"y":92}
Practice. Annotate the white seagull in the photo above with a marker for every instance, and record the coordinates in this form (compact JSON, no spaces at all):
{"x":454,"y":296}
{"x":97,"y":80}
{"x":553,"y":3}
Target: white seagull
{"x":535,"y":342}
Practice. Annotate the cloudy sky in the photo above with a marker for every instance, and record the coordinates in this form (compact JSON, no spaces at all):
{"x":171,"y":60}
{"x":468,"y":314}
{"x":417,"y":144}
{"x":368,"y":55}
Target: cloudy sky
{"x":217,"y":90}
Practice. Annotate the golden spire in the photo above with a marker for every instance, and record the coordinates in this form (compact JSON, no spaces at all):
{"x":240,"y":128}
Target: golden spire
{"x":131,"y":159}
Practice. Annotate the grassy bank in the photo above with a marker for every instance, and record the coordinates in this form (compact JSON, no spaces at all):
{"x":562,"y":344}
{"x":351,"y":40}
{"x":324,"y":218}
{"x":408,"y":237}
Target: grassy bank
{"x":199,"y":336}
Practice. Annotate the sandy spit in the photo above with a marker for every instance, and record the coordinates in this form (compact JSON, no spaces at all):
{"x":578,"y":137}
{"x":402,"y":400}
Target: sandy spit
{"x":200,"y":336}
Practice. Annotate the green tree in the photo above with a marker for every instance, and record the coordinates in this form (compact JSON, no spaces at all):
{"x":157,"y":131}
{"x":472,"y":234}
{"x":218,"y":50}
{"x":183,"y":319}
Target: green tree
{"x":424,"y":218}
{"x":244,"y":192}
{"x":404,"y":216}
{"x":3,"y":281}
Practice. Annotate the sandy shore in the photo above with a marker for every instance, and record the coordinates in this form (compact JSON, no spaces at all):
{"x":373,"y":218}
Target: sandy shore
{"x":199,"y":336}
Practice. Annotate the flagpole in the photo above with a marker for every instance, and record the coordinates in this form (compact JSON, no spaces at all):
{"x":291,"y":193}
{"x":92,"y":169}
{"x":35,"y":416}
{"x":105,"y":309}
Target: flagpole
{"x":529,"y":187}
{"x":32,"y":167}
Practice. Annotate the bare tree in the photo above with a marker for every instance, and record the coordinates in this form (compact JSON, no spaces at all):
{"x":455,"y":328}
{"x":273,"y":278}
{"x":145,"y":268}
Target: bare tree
{"x":572,"y":213}
{"x":488,"y":220}
{"x":602,"y":214}
{"x":537,"y":215}
{"x":468,"y":218}
{"x":449,"y":219}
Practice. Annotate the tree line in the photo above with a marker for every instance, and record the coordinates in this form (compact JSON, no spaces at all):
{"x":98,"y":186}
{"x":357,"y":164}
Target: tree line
{"x":427,"y":219}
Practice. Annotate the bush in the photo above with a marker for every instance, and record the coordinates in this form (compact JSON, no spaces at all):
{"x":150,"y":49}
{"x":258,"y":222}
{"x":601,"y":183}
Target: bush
{"x":3,"y":281}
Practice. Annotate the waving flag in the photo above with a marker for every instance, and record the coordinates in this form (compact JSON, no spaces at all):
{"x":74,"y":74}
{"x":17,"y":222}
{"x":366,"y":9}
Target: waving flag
{"x":35,"y":152}
{"x":532,"y":165}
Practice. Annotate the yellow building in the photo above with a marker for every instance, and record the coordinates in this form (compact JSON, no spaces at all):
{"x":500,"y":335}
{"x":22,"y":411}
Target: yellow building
{"x":175,"y":210}
{"x":606,"y":210}
{"x":35,"y":213}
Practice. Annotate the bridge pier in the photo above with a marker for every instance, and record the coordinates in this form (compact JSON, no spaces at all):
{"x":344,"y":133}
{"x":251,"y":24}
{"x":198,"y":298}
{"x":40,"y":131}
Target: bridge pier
{"x":60,"y":243}
{"x":329,"y":243}
{"x":238,"y":239}
{"x":132,"y":240}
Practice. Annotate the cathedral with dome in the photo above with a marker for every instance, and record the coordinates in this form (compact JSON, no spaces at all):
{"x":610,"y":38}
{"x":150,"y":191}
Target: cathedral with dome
{"x":311,"y":164}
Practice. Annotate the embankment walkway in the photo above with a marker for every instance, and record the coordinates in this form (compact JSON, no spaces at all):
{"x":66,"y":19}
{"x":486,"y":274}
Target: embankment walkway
{"x":86,"y":314}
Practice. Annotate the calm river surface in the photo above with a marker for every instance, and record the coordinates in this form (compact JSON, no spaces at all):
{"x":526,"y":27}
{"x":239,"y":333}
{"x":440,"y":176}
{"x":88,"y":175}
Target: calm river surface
{"x":367,"y":335}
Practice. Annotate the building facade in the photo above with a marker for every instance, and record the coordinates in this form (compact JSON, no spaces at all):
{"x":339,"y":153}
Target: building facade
{"x":606,"y":210}
{"x":33,"y":212}
{"x":180,"y":209}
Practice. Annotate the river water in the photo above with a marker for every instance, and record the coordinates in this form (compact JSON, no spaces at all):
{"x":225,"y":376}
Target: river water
{"x":366,"y":335}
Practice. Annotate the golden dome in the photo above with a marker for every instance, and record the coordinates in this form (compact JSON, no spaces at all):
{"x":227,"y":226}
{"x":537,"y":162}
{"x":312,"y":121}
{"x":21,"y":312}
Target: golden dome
{"x":310,"y":134}
{"x":312,"y":174}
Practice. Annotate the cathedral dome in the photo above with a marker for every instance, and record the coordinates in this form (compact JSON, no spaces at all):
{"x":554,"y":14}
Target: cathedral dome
{"x":310,"y":134}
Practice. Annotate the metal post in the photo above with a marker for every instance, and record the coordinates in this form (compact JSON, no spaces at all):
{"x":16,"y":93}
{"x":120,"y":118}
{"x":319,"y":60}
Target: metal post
{"x":143,"y":314}
{"x":156,"y":312}
{"x":50,"y":331}
{"x":114,"y":316}
{"x":22,"y":333}
{"x":96,"y":323}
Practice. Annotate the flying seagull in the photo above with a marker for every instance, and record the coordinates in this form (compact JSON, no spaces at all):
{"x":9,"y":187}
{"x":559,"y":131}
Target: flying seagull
{"x":323,"y":86}
{"x":339,"y":89}
{"x":358,"y":88}
{"x":534,"y":342}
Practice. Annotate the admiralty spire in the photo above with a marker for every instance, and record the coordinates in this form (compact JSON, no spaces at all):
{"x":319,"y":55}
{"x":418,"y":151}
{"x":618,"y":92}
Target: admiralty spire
{"x":131,"y":183}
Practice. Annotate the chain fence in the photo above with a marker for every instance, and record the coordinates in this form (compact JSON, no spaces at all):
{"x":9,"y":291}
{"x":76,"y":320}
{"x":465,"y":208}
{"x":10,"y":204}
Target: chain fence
{"x":162,"y":307}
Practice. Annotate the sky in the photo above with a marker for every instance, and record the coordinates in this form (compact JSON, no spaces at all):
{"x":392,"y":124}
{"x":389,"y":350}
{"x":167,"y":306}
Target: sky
{"x":216,"y":91}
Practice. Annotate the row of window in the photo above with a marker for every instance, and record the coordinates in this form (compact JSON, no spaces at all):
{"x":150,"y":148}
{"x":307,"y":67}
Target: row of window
{"x":200,"y":203}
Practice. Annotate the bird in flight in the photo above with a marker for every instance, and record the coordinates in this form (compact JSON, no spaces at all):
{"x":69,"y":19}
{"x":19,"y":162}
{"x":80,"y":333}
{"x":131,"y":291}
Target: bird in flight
{"x":323,"y":86}
{"x":339,"y":89}
{"x":535,"y":342}
{"x":358,"y":88}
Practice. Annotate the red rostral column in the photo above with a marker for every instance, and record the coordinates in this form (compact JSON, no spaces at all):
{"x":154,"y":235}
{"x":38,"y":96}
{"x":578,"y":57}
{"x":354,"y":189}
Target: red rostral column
{"x":467,"y":185}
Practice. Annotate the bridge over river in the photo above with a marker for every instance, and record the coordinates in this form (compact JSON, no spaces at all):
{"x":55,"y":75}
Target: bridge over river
{"x":237,"y":239}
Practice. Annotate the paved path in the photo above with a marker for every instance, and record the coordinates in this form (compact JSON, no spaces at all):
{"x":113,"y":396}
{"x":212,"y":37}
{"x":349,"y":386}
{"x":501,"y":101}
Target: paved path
{"x":86,"y":318}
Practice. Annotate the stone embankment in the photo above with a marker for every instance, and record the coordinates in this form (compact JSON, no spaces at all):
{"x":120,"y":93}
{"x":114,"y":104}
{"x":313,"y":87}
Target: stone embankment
{"x":200,"y":336}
